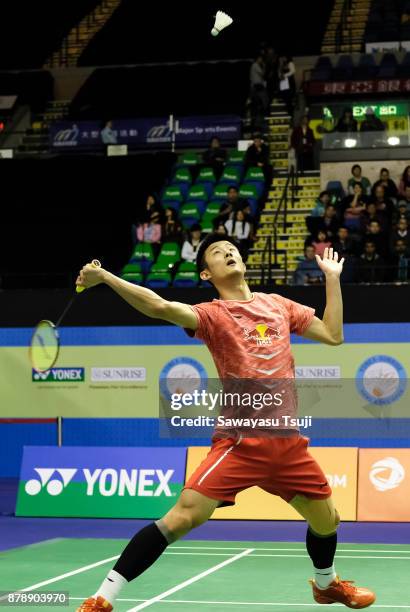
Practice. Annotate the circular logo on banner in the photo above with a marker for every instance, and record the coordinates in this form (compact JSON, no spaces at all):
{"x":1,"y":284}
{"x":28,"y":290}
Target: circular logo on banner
{"x":182,"y":375}
{"x":387,"y":474}
{"x":381,"y":380}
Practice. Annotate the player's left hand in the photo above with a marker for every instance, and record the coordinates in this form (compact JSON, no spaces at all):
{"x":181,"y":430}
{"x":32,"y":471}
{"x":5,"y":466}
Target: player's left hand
{"x":329,"y":263}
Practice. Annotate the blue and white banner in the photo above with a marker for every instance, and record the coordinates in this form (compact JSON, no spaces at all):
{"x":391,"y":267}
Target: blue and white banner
{"x":189,"y":131}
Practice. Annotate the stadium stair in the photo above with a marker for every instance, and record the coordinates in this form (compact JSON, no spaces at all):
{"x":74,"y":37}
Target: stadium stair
{"x":290,"y":242}
{"x":80,"y":36}
{"x":346,"y":27}
{"x":278,"y":135}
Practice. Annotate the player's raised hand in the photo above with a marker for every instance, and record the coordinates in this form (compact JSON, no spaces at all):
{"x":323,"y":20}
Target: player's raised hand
{"x":329,"y":263}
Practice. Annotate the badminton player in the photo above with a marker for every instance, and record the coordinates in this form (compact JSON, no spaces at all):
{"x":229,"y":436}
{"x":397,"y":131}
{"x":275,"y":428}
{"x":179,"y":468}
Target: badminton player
{"x":234,"y":464}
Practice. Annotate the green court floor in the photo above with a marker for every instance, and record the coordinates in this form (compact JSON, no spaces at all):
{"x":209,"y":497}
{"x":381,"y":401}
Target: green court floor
{"x":202,"y":576}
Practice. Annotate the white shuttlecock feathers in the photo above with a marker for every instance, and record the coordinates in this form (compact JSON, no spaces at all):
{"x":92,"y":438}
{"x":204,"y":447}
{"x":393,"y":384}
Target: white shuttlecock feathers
{"x":222,"y":20}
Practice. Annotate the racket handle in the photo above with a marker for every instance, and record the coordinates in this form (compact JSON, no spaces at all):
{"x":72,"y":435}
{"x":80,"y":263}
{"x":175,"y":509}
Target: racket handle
{"x":96,"y":264}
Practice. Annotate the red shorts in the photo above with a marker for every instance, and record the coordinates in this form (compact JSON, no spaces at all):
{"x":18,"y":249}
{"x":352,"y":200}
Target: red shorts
{"x":281,"y":466}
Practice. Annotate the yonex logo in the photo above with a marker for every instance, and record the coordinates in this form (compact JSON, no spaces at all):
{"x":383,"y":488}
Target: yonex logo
{"x":53,"y":487}
{"x":393,"y":474}
{"x":59,"y":375}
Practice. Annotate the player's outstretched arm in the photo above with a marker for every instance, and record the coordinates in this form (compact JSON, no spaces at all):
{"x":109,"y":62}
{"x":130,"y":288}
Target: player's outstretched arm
{"x":140,"y":298}
{"x":330,"y":329}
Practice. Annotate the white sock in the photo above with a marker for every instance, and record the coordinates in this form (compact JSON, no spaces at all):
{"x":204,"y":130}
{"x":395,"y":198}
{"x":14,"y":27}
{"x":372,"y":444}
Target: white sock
{"x":111,"y":586}
{"x":323,"y":577}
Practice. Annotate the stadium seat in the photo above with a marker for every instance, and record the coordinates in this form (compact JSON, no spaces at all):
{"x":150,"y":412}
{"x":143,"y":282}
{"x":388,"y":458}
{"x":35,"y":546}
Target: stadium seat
{"x":250,"y":192}
{"x":366,"y":68}
{"x":254,"y":174}
{"x":169,"y":254}
{"x":188,"y":159}
{"x":220,"y":192}
{"x":198,"y":195}
{"x":336,"y":188}
{"x":207,"y":224}
{"x":187,"y":275}
{"x":231,"y":176}
{"x":323,"y":69}
{"x":182,"y":176}
{"x":189,"y":214}
{"x":206,"y":175}
{"x":236,"y":158}
{"x":173,"y":196}
{"x":157,"y":280}
{"x":387,"y":67}
{"x":344,"y":68}
{"x":143,"y":254}
{"x":404,"y":68}
{"x":132,"y":273}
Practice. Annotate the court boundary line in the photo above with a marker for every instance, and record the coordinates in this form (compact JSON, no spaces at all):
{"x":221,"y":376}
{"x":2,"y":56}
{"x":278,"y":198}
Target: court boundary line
{"x":191,"y":580}
{"x":339,"y":547}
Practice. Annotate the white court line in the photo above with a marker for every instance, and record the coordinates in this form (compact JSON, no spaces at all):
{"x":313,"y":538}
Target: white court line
{"x":339,"y":548}
{"x":84,"y":568}
{"x":245,"y":603}
{"x":186,"y":583}
{"x":210,"y":554}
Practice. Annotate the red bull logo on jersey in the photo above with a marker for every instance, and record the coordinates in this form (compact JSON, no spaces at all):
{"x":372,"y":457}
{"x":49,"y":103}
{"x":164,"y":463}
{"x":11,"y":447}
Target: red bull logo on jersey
{"x":262,"y":335}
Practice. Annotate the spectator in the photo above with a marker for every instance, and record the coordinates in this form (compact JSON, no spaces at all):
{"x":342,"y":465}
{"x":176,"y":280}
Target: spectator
{"x":358,"y":178}
{"x":232,"y":203}
{"x":371,"y":265}
{"x":150,"y":231}
{"x":220,"y":228}
{"x":258,"y":94}
{"x":329,"y":222}
{"x":401,"y":211}
{"x":192,"y":244}
{"x":400,"y":262}
{"x":215,"y":156}
{"x":308,"y":271}
{"x":240,"y":229}
{"x":385,"y":181}
{"x":371,"y":123}
{"x":383,"y":204}
{"x":320,"y":242}
{"x":343,"y":243}
{"x":376,"y":235}
{"x":303,"y":142}
{"x":258,"y":153}
{"x":405,"y":200}
{"x":346,"y":122}
{"x":404,"y":181}
{"x":151,"y":205}
{"x":372,"y":214}
{"x":323,"y":200}
{"x":171,"y":228}
{"x":400,"y":232}
{"x":354,"y":210}
{"x":287,"y":83}
{"x":271,"y":71}
{"x":108,"y":135}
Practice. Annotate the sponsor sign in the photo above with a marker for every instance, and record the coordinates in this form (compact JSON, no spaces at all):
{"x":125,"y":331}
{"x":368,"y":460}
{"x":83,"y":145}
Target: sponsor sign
{"x":384,"y":484}
{"x":59,"y":375}
{"x":118,"y":374}
{"x":99,"y":482}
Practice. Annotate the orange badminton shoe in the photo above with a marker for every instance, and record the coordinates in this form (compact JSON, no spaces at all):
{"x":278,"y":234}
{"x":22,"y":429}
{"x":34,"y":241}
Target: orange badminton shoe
{"x":344,"y":592}
{"x":95,"y":604}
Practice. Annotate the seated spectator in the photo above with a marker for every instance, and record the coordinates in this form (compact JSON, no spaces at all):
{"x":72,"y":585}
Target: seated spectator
{"x":343,"y":243}
{"x":401,"y":211}
{"x":257,"y":153}
{"x":372,"y":214}
{"x":323,"y":200}
{"x":400,"y":232}
{"x":371,"y":265}
{"x":108,"y":135}
{"x":354,"y":208}
{"x":308,"y":271}
{"x":405,"y":199}
{"x":329,"y":222}
{"x":303,"y":142}
{"x":385,"y":181}
{"x":232,"y":203}
{"x":371,"y":123}
{"x":400,"y":262}
{"x":151,"y":231}
{"x":404,"y":181}
{"x":215,"y":156}
{"x":220,"y":228}
{"x":240,"y":229}
{"x":320,"y":242}
{"x":346,"y":122}
{"x":383,"y":204}
{"x":378,"y":237}
{"x":358,"y":178}
{"x":192,"y":244}
{"x":151,"y":205}
{"x":171,"y":228}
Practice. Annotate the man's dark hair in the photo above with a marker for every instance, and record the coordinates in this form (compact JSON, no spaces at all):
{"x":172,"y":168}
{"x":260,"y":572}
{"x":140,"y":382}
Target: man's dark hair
{"x":232,"y":187}
{"x":211,"y":239}
{"x":355,"y":166}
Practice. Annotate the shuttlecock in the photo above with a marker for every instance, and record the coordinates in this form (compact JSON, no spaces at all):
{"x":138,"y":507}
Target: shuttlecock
{"x":222,"y":20}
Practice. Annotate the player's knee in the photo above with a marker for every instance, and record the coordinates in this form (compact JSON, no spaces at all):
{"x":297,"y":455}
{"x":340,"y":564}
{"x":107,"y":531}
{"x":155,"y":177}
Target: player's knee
{"x":326,"y":526}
